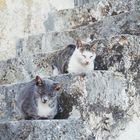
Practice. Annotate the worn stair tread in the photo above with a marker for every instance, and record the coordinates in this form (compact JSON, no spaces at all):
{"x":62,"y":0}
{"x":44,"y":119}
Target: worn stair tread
{"x":77,"y":95}
{"x":109,"y":56}
{"x":97,"y":103}
{"x":125,"y":23}
{"x":43,"y":129}
{"x":89,"y":13}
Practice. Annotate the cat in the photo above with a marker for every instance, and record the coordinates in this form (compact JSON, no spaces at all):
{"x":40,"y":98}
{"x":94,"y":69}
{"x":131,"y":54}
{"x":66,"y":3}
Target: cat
{"x":82,"y":59}
{"x":77,"y":58}
{"x":38,"y":99}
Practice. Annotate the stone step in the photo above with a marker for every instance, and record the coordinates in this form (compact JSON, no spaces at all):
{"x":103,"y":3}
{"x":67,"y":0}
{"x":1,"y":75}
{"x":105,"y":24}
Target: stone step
{"x":119,"y":53}
{"x":110,"y":56}
{"x":97,"y":92}
{"x":95,"y":11}
{"x":78,"y":3}
{"x":90,"y":2}
{"x":101,"y":100}
{"x":42,"y":130}
{"x":125,"y":23}
{"x":13,"y":71}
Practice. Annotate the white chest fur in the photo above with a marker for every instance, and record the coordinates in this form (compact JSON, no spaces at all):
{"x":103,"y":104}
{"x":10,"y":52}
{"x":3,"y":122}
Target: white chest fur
{"x":75,"y":67}
{"x":44,"y":110}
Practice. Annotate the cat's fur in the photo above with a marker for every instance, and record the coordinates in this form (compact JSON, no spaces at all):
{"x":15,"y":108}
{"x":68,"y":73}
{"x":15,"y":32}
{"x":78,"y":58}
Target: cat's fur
{"x":61,"y":59}
{"x":75,"y":58}
{"x":38,"y":99}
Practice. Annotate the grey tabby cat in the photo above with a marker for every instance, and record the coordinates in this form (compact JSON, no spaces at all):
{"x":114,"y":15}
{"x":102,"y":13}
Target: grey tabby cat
{"x":38,"y":99}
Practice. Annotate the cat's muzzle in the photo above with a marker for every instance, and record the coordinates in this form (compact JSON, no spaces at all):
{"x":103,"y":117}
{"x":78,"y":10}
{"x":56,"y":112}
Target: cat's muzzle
{"x":44,"y":99}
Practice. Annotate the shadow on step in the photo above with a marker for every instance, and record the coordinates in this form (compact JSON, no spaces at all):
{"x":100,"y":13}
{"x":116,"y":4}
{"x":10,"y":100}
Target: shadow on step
{"x":66,"y":103}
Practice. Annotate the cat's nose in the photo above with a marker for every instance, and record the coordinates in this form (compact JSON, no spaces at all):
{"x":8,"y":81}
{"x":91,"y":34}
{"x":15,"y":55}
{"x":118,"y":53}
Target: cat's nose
{"x":87,"y":62}
{"x":44,"y":100}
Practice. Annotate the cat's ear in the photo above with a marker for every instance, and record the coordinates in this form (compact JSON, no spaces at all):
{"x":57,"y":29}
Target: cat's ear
{"x":57,"y":86}
{"x":93,"y":47}
{"x":38,"y":81}
{"x":78,"y":43}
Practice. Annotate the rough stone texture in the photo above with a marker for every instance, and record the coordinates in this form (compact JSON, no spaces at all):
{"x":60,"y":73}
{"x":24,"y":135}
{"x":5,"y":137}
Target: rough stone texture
{"x":132,"y":131}
{"x":125,"y":23}
{"x":71,"y":100}
{"x":17,"y":70}
{"x":72,"y":18}
{"x":41,"y":43}
{"x":75,"y":91}
{"x":13,"y":71}
{"x":103,"y":100}
{"x":102,"y":105}
{"x":22,"y":18}
{"x":119,"y":53}
{"x":42,"y":130}
{"x":80,"y":2}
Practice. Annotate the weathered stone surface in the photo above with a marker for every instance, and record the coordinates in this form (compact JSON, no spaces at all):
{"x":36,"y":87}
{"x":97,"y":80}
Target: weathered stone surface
{"x":102,"y":105}
{"x":18,"y":70}
{"x":95,"y":11}
{"x":133,"y":3}
{"x":31,"y":44}
{"x":105,"y":101}
{"x":74,"y":92}
{"x":42,"y":130}
{"x":41,"y":43}
{"x":13,"y":71}
{"x":125,"y":23}
{"x":80,"y":2}
{"x":71,"y":99}
{"x":118,"y":53}
{"x":132,"y":130}
{"x":23,"y":18}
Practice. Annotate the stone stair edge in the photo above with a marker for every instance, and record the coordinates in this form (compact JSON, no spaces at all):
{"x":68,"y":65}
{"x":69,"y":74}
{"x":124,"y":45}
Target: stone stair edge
{"x":90,"y":13}
{"x":41,"y":121}
{"x":70,"y":30}
{"x":42,"y":130}
{"x":75,"y":88}
{"x":78,"y":28}
{"x":85,"y":6}
{"x":16,"y":58}
{"x":62,"y":76}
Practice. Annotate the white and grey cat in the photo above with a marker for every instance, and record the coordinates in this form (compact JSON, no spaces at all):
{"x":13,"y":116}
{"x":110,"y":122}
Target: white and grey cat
{"x":77,"y":58}
{"x":82,"y":59}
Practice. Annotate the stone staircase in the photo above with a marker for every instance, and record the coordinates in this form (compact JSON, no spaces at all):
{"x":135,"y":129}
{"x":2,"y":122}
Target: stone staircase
{"x":96,"y":106}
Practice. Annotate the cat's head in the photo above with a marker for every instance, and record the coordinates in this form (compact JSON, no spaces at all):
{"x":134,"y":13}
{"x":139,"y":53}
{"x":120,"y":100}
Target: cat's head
{"x":47,"y":88}
{"x":84,"y":52}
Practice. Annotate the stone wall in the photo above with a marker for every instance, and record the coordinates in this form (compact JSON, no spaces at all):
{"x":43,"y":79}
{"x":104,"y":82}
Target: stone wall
{"x":22,"y":18}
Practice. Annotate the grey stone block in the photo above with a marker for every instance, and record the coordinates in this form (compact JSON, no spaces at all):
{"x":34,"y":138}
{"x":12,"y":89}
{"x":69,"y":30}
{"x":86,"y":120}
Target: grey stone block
{"x":43,"y":130}
{"x":125,"y":23}
{"x":87,"y":14}
{"x":111,"y":55}
{"x":77,"y":92}
{"x":101,"y":100}
{"x":70,"y":99}
{"x":13,"y":71}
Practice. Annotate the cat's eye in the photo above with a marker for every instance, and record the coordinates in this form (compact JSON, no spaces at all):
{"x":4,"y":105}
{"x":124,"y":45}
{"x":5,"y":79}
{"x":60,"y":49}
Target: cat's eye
{"x":91,"y":56}
{"x":84,"y":56}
